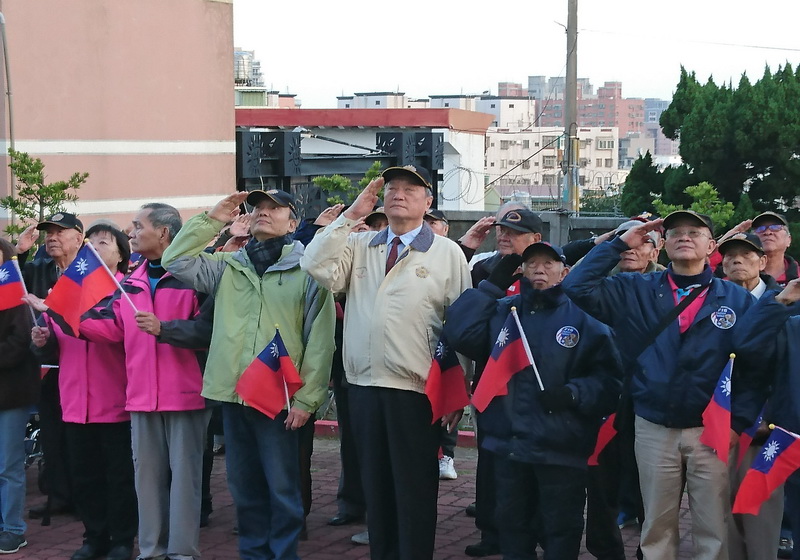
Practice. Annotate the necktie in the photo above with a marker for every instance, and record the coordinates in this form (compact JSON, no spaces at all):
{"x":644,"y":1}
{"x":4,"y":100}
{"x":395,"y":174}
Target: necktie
{"x":392,"y":259}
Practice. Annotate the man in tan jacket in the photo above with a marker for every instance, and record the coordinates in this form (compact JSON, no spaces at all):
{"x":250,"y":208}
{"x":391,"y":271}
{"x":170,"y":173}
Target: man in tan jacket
{"x":398,"y":282}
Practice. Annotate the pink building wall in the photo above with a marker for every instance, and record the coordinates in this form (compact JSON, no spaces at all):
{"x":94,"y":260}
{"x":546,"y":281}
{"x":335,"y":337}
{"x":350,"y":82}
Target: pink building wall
{"x":138,"y":94}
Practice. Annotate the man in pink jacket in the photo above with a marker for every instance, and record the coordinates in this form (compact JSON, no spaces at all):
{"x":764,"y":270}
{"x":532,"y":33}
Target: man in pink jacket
{"x":168,"y":416}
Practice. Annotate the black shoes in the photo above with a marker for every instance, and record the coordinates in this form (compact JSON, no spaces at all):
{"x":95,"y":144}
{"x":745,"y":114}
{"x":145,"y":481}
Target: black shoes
{"x":89,"y":552}
{"x":345,"y":519}
{"x":471,"y":510}
{"x":481,"y":549}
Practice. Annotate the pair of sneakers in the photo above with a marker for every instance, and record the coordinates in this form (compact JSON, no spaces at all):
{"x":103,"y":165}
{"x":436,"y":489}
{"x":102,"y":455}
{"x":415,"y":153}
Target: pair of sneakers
{"x":11,"y":542}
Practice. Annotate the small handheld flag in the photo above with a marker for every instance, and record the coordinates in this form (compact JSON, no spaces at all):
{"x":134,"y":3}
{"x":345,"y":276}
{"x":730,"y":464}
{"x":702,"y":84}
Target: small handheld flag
{"x":84,"y":283}
{"x":604,"y":437}
{"x":776,"y":461}
{"x":270,"y":380}
{"x":11,"y":287}
{"x":445,"y":387}
{"x":717,"y":415}
{"x":509,"y":356}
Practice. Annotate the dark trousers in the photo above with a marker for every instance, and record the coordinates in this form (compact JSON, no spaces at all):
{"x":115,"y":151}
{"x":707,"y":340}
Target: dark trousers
{"x":102,"y":475}
{"x":603,"y":537}
{"x":792,"y":508}
{"x":306,"y":448}
{"x":350,"y":496}
{"x":485,"y":493}
{"x":525,"y":489}
{"x":448,"y":441}
{"x":56,"y":471}
{"x":206,"y":500}
{"x":397,"y":451}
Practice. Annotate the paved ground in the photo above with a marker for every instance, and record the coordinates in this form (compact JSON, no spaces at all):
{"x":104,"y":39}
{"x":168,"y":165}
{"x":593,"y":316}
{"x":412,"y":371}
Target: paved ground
{"x":455,"y":530}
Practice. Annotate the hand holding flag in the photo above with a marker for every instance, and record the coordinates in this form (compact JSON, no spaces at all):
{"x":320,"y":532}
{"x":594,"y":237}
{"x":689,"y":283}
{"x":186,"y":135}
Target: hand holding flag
{"x":12,"y":288}
{"x":445,"y":387}
{"x":776,"y":461}
{"x":270,"y":380}
{"x":717,"y":415}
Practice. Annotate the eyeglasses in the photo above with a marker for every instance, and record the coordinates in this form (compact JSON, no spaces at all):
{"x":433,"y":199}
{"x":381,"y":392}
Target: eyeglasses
{"x":770,"y":227}
{"x":690,"y":233}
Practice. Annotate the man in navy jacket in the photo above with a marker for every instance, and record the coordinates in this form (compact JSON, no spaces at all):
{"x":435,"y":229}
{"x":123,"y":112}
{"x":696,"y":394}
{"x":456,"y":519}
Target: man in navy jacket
{"x":541,"y":439}
{"x":675,"y":375}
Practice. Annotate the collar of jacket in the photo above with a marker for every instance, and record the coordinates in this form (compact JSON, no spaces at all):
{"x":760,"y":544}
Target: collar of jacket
{"x":422,"y":242}
{"x":290,"y":258}
{"x":538,"y":299}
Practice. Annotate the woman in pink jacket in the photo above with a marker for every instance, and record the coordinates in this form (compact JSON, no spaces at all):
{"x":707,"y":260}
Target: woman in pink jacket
{"x":98,"y":429}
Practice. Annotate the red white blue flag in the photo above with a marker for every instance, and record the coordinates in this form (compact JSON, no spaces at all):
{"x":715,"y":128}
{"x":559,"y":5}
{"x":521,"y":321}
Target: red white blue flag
{"x":446,"y":387}
{"x":84,"y":283}
{"x":509,"y":356}
{"x":717,"y":415}
{"x":776,"y":461}
{"x":11,"y":287}
{"x":747,"y":437}
{"x":270,"y":380}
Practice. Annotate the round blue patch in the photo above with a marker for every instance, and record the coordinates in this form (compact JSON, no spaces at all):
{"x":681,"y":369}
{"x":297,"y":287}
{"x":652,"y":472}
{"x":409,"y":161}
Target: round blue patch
{"x":723,"y":318}
{"x":568,"y":337}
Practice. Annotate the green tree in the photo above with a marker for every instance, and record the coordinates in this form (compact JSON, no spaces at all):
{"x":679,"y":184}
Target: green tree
{"x":601,"y":204}
{"x":705,"y":201}
{"x":341,"y":190}
{"x":641,"y":185}
{"x":34,"y":198}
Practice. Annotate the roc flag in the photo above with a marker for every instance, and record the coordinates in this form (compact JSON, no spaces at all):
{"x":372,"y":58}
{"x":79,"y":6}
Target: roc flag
{"x":747,"y":438}
{"x":717,"y":415}
{"x":445,"y":386}
{"x":11,"y":286}
{"x":84,"y":283}
{"x":269,"y":382}
{"x":508,"y":357}
{"x":776,"y":461}
{"x":604,"y":437}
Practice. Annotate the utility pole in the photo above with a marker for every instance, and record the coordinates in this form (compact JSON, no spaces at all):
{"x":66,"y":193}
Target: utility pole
{"x":570,"y":162}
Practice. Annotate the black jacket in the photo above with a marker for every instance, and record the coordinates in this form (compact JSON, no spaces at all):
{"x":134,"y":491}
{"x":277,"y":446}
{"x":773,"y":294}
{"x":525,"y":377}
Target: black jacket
{"x":19,"y":370}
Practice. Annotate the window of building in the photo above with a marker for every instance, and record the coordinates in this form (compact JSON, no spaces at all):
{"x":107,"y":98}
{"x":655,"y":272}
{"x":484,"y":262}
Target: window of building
{"x":609,"y":162}
{"x":549,"y":180}
{"x":512,"y":162}
{"x":447,"y":104}
{"x":504,"y":144}
{"x":526,"y":144}
{"x":491,"y":145}
{"x":605,"y":144}
{"x":536,"y":164}
{"x":598,"y":181}
{"x":549,"y":162}
{"x":503,"y":164}
{"x":584,"y":162}
{"x":550,"y":141}
{"x":491,"y":164}
{"x":510,"y":105}
{"x":598,"y":162}
{"x":492,"y":106}
{"x":377,"y":102}
{"x":526,"y":164}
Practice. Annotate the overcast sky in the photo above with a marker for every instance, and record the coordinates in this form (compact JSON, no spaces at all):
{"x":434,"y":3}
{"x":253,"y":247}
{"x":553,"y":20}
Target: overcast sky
{"x":319,"y":49}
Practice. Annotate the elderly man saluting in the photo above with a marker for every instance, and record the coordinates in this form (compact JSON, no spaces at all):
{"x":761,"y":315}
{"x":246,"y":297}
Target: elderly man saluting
{"x":398,"y":282}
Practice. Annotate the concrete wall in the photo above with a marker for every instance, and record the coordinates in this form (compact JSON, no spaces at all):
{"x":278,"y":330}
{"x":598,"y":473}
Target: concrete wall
{"x":138,"y":94}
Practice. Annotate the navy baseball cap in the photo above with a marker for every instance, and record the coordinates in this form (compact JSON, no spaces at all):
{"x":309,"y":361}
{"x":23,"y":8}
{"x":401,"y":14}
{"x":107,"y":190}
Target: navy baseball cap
{"x":522,"y":220}
{"x":544,"y":247}
{"x":436,"y":214}
{"x":63,"y":220}
{"x":751,"y":240}
{"x":281,"y":198}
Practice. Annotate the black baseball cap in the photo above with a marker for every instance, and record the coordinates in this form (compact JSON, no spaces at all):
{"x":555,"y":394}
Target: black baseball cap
{"x":281,"y":198}
{"x":522,"y":220}
{"x":750,"y":239}
{"x":63,"y":220}
{"x":701,"y":219}
{"x":417,"y":175}
{"x":770,"y":216}
{"x":544,"y":247}
{"x":436,"y":214}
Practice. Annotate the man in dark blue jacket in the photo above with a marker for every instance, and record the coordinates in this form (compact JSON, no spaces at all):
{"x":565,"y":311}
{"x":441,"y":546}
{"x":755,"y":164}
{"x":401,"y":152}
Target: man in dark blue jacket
{"x":675,"y":375}
{"x":541,"y":439}
{"x":768,"y":340}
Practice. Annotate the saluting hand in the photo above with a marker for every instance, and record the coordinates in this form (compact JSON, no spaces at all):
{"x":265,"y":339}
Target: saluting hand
{"x":227,"y":209}
{"x":366,"y":201}
{"x":637,"y":235}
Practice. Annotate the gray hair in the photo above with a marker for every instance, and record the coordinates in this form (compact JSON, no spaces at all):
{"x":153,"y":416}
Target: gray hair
{"x":508,"y":206}
{"x":164,"y":215}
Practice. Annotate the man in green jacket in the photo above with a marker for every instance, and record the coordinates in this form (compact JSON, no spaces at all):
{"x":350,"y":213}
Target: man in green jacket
{"x":256,"y":288}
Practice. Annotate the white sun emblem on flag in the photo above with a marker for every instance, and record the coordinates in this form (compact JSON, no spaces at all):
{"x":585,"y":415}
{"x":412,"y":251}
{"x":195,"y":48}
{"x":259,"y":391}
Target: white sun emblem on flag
{"x":502,"y":338}
{"x":81,"y":266}
{"x":441,"y":350}
{"x":726,"y":386}
{"x":4,"y":275}
{"x":771,"y":451}
{"x":273,"y":349}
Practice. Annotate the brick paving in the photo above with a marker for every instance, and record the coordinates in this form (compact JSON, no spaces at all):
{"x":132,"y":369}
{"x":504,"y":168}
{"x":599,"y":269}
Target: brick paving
{"x":217,"y":542}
